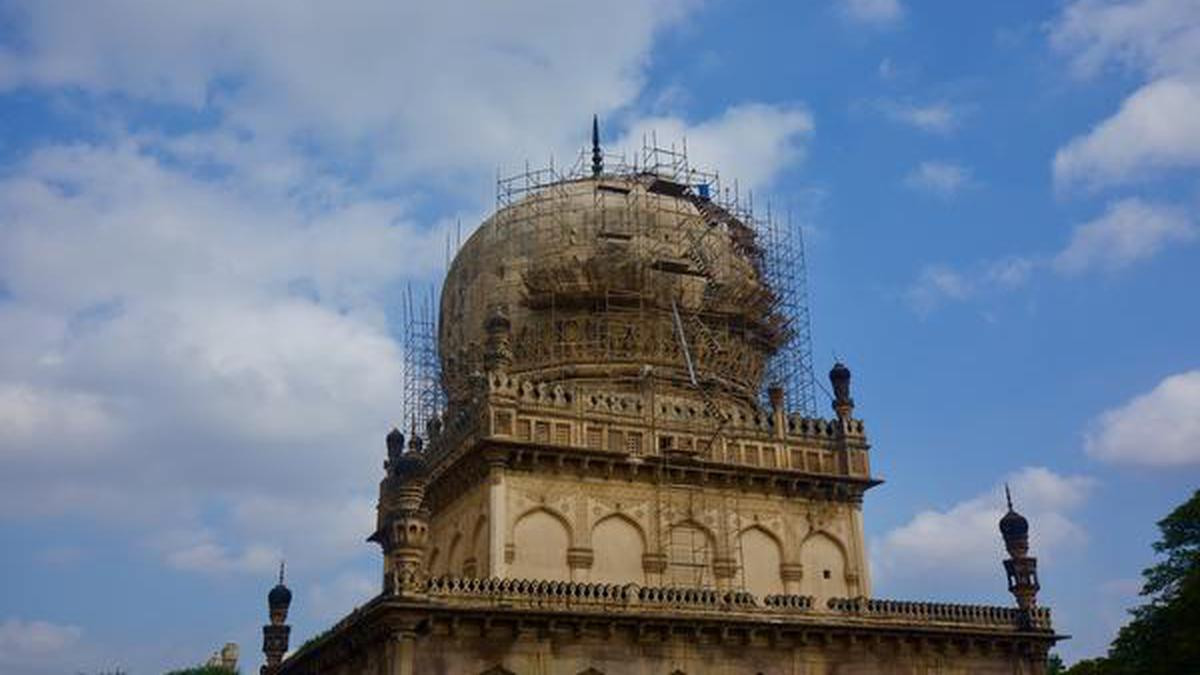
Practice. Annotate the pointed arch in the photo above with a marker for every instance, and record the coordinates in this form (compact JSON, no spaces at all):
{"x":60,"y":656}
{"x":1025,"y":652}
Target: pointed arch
{"x":761,"y":556}
{"x":479,"y":548}
{"x":540,"y":540}
{"x":690,"y":550}
{"x":824,"y":562}
{"x":618,"y":544}
{"x":452,"y":561}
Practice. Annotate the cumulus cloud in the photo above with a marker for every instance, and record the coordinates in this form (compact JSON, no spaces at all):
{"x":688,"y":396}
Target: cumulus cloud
{"x":360,"y":84}
{"x":1155,"y":36}
{"x":332,"y":599}
{"x":21,"y":640}
{"x":1130,"y":230}
{"x":941,"y":178}
{"x":1156,"y":127}
{"x":962,"y":540}
{"x":160,"y":325}
{"x":750,"y":142}
{"x":199,"y":552}
{"x":1159,"y":428}
{"x":875,"y":12}
{"x":940,"y":284}
{"x":938,"y":117}
{"x":198,"y":322}
{"x":935,"y":285}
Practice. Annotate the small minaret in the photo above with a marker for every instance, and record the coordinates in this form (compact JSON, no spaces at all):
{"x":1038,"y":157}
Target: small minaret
{"x":276,"y":633}
{"x":498,"y":349}
{"x":402,"y":525}
{"x":597,"y":155}
{"x":843,"y":405}
{"x":1020,"y":567}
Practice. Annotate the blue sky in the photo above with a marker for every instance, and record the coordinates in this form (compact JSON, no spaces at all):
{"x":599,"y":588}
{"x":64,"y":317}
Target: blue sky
{"x":207,"y":210}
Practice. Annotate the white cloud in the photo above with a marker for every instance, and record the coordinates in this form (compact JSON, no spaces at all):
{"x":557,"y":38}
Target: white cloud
{"x":935,"y":285}
{"x":333,"y":599}
{"x":877,"y":12}
{"x":230,"y":330}
{"x":1011,"y":272}
{"x":751,"y":143}
{"x":1159,"y":428}
{"x":963,"y":540}
{"x":21,"y":640}
{"x":940,"y":284}
{"x":1130,"y":230}
{"x":941,"y":178}
{"x":405,"y":88}
{"x":199,"y":552}
{"x":1157,"y":126}
{"x":939,"y":117}
{"x":217,"y":304}
{"x":1156,"y":36}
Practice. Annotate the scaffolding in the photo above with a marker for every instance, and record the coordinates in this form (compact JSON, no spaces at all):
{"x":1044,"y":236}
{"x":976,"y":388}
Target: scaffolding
{"x":424,"y":398}
{"x":791,"y":367}
{"x":661,"y":265}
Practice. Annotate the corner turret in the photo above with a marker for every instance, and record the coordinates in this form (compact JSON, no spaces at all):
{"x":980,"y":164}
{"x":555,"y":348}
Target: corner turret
{"x":402,"y":521}
{"x":277,"y":632}
{"x":1020,"y":567}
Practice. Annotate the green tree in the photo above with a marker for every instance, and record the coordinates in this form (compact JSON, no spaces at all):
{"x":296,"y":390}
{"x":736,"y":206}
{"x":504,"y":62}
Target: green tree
{"x":204,"y":670}
{"x":1163,"y":638}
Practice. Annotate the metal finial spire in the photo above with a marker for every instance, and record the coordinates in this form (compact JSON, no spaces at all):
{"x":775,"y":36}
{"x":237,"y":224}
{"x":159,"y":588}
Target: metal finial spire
{"x":1008,"y":497}
{"x":281,"y":566}
{"x":597,"y":156}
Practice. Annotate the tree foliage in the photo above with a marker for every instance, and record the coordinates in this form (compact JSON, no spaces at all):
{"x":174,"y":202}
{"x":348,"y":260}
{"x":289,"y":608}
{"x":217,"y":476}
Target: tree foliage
{"x":204,"y":670}
{"x":1163,"y":638}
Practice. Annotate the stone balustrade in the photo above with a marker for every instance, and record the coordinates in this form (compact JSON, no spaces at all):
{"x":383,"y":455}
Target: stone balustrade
{"x":577,"y":595}
{"x":935,"y":611}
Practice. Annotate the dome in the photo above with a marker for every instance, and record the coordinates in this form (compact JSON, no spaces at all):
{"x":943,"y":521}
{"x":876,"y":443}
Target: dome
{"x":1014,"y":525}
{"x":280,"y":596}
{"x":596,"y":276}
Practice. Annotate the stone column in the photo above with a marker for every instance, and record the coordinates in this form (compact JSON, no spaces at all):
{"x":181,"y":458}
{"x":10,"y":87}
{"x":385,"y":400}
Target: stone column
{"x":497,"y":496}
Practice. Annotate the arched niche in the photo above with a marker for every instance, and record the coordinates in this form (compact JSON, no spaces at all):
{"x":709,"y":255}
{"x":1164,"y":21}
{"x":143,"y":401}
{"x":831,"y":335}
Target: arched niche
{"x":689,"y":555}
{"x":479,"y":547}
{"x":762,"y":557}
{"x":540,"y":541}
{"x":454,"y":556}
{"x":431,"y":565}
{"x":617,"y":548}
{"x":824,"y":564}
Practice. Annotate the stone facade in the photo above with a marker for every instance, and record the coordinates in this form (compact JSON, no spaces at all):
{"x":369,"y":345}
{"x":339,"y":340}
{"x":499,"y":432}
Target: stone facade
{"x":605,"y":493}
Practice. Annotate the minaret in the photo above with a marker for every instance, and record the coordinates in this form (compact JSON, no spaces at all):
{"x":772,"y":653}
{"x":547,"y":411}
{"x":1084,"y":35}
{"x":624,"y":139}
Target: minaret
{"x":843,"y":405}
{"x":597,"y":156}
{"x":276,"y":633}
{"x":1020,"y":567}
{"x":402,"y":525}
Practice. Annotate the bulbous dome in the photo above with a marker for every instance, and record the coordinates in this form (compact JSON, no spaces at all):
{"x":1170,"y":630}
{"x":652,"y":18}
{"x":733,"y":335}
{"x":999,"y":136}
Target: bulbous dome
{"x":597,"y":277}
{"x":279,"y":597}
{"x":1014,"y":525}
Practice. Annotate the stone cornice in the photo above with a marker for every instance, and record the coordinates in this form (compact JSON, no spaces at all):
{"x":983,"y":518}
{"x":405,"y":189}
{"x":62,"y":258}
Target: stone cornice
{"x":472,"y":464}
